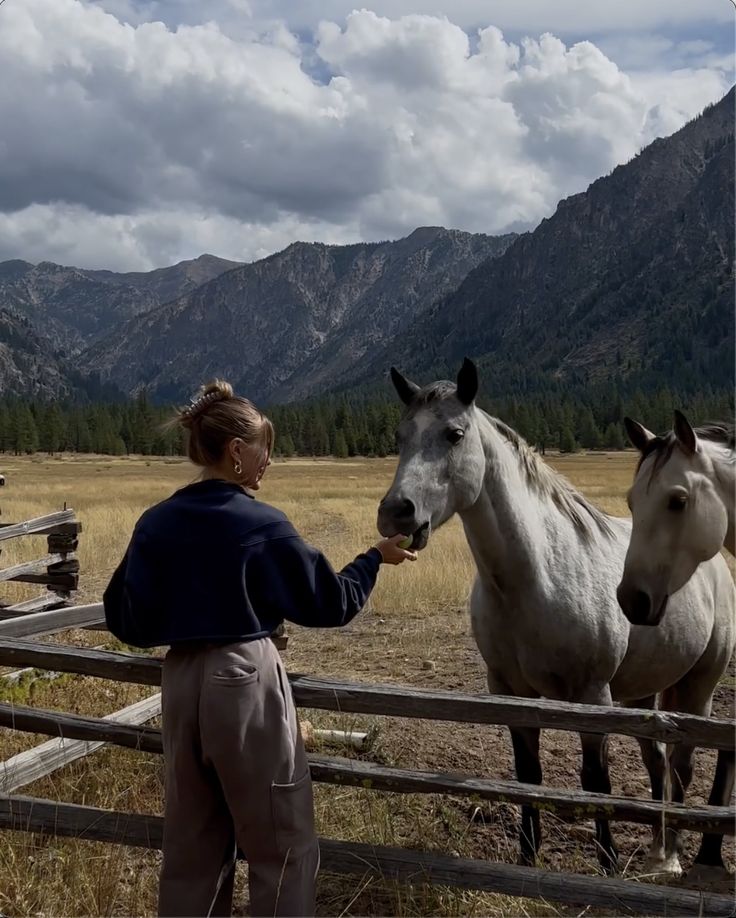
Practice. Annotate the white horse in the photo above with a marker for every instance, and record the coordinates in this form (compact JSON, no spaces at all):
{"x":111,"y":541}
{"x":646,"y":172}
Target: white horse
{"x":683,"y":504}
{"x":543,"y":606}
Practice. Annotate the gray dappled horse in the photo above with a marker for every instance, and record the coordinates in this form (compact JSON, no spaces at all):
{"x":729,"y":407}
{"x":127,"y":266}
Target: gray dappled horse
{"x":683,"y":503}
{"x":543,"y":606}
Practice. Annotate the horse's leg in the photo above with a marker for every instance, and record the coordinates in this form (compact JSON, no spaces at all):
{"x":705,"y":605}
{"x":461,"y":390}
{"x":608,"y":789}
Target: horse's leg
{"x":694,"y":695}
{"x":594,"y":777}
{"x":708,"y":863}
{"x":709,"y":858}
{"x":654,"y":756}
{"x":528,"y":770}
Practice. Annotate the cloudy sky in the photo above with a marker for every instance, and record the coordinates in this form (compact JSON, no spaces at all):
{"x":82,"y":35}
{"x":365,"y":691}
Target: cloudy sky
{"x":135,"y":133}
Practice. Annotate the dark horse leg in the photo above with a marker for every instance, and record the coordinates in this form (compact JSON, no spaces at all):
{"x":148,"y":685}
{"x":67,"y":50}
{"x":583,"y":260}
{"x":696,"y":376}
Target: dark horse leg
{"x":709,"y":858}
{"x":594,"y":777}
{"x":528,"y":771}
{"x":693,"y":695}
{"x":709,"y":855}
{"x":654,"y":756}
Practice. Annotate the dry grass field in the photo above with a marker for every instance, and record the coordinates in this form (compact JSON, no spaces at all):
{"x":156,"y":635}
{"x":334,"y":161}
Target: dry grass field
{"x":416,"y":614}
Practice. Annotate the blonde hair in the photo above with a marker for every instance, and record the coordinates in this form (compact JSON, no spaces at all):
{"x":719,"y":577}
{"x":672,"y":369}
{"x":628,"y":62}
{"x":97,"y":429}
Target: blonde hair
{"x":217,"y":416}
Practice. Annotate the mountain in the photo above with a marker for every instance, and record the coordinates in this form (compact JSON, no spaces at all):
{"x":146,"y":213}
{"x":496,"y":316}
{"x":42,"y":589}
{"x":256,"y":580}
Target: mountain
{"x":627,"y":286}
{"x":72,"y":307}
{"x":294,"y":324}
{"x":629,"y":283}
{"x":164,"y":284}
{"x":28,"y":365}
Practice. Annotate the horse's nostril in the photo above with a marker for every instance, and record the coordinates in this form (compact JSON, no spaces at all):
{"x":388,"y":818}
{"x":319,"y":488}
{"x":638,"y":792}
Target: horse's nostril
{"x":640,"y":605}
{"x":405,"y":508}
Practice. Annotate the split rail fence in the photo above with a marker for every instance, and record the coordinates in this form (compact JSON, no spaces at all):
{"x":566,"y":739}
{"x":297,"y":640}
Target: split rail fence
{"x":127,"y":728}
{"x":58,"y":570}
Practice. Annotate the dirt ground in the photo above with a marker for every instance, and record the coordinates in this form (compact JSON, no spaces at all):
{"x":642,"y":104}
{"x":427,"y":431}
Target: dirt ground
{"x":485,"y":750}
{"x":415,"y":631}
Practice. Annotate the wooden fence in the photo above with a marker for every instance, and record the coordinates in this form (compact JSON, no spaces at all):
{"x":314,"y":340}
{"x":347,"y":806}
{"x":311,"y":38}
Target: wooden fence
{"x":58,"y":570}
{"x":128,"y":729}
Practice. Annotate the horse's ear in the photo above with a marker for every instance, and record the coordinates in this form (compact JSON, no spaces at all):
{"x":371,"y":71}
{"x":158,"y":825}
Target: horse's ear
{"x":467,"y":382}
{"x":638,"y":434}
{"x":686,"y":436}
{"x":405,"y":387}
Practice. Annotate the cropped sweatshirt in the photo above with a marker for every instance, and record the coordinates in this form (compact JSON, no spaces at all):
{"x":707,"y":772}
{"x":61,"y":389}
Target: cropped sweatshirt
{"x":212,"y":564}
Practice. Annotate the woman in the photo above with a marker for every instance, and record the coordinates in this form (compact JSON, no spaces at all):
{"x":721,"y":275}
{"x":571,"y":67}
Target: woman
{"x":213,"y":572}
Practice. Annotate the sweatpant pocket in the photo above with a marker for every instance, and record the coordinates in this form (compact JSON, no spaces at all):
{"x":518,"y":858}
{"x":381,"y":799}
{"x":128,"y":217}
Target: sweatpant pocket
{"x":236,"y":674}
{"x":292,"y":810}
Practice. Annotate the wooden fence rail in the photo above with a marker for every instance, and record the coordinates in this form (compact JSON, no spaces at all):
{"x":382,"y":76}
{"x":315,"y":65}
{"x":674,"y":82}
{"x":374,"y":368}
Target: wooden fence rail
{"x":41,"y":525}
{"x":58,"y":570}
{"x":41,"y":624}
{"x":27,"y":814}
{"x":45,"y":759}
{"x":391,"y":700}
{"x":571,"y":804}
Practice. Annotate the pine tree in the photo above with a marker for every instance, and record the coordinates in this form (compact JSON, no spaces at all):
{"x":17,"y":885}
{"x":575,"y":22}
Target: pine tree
{"x":286,"y":445}
{"x":26,"y":431}
{"x":6,"y":429}
{"x":614,"y":437}
{"x":339,"y":445}
{"x":589,"y":435}
{"x":567,"y":441}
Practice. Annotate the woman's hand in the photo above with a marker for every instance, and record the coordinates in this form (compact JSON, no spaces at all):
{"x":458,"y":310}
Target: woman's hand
{"x":391,"y":553}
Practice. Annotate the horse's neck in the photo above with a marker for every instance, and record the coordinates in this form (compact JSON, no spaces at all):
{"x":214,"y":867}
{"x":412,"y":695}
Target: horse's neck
{"x":724,"y":465}
{"x":510,"y":527}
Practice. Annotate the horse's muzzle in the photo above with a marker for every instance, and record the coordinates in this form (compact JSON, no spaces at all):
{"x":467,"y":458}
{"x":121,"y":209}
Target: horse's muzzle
{"x":398,"y":516}
{"x":639,"y":607}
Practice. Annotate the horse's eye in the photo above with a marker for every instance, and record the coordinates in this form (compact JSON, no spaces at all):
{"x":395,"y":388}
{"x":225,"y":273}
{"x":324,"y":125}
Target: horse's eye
{"x":677,"y":503}
{"x":455,"y":435}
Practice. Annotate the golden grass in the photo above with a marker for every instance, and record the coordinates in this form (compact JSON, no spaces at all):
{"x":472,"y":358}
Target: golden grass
{"x":416,"y":614}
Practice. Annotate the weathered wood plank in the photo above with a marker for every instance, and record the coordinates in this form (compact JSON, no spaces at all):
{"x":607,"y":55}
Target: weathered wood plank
{"x":62,"y":543}
{"x":39,"y":604}
{"x":46,"y":758}
{"x":28,"y":814}
{"x":571,"y":803}
{"x":64,"y":566}
{"x":402,"y":701}
{"x":73,"y":726}
{"x":16,"y":571}
{"x":44,"y":623}
{"x":121,"y":667}
{"x":398,"y":701}
{"x":41,"y":524}
{"x":17,"y":674}
{"x":618,"y":896}
{"x":53,"y":581}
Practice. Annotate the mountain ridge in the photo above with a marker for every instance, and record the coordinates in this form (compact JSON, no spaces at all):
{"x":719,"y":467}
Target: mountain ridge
{"x":629,"y":283}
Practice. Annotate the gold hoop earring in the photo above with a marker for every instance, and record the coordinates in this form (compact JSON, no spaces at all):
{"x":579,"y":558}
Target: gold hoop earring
{"x":237,"y":467}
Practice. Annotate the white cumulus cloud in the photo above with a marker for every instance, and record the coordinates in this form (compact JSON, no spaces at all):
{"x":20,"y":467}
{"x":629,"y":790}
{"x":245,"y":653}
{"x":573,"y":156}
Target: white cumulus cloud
{"x":133,"y":144}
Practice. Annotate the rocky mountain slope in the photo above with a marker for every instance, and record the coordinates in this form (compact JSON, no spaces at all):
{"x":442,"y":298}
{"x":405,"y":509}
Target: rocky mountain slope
{"x":294,"y":324}
{"x":72,"y":307}
{"x":28,"y":365}
{"x":631,"y":281}
{"x":629,"y":284}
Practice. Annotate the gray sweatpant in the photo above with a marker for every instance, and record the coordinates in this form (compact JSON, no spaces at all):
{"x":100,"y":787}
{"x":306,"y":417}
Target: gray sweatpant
{"x":236,"y":776}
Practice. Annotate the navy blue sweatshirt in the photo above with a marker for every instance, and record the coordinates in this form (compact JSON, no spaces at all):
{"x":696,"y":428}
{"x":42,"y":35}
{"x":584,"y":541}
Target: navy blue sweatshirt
{"x":213,"y":564}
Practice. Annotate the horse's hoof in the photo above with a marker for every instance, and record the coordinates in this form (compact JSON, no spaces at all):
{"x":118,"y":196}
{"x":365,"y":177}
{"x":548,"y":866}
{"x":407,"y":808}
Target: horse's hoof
{"x":708,"y":876}
{"x":668,"y":866}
